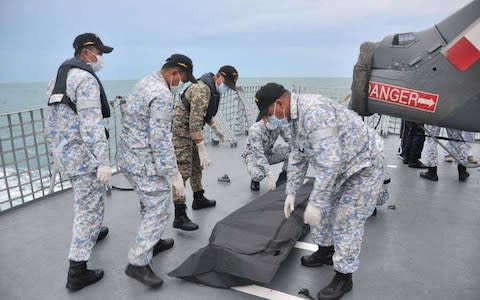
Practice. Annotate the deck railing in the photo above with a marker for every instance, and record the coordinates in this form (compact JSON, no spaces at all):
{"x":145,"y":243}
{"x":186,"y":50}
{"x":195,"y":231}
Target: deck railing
{"x":27,"y":172}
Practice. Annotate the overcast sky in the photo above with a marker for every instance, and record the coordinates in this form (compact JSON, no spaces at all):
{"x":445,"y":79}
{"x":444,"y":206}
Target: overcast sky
{"x":263,"y":38}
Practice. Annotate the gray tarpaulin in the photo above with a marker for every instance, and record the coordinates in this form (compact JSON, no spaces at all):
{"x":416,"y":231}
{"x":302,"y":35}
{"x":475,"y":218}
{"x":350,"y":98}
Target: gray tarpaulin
{"x":248,"y":245}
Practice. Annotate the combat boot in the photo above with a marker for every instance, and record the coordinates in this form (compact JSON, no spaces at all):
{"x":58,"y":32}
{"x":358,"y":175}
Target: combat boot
{"x":103,"y":233}
{"x":339,"y":286}
{"x":323,"y":256}
{"x":182,"y":221}
{"x":462,"y":173}
{"x":199,"y":201}
{"x":255,"y":185}
{"x":162,"y":245}
{"x":79,"y":276}
{"x":144,"y":274}
{"x":417,"y":164}
{"x":430,"y":174}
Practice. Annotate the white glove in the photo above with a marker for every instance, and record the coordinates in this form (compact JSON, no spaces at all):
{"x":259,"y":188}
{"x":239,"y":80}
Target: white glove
{"x":202,"y":153}
{"x":289,"y":205}
{"x":311,"y":215}
{"x":271,"y":182}
{"x":104,"y":173}
{"x":177,"y":183}
{"x":218,"y":132}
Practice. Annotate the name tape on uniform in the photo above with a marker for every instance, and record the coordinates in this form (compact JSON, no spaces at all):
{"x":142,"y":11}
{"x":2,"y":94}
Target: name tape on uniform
{"x":402,"y":96}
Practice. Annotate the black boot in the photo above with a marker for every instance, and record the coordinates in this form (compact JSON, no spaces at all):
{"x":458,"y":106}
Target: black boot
{"x":282,"y":178}
{"x":339,"y":286}
{"x":182,"y":221}
{"x":430,"y":174}
{"x":103,"y":233}
{"x":199,"y":201}
{"x":323,"y":256}
{"x":255,"y":185}
{"x":144,"y":274}
{"x":417,"y":165}
{"x":462,"y":173}
{"x":162,"y":245}
{"x":79,"y":276}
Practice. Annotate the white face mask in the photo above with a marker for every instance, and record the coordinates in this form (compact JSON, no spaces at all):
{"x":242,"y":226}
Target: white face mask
{"x":97,"y":65}
{"x":176,"y":89}
{"x":222,"y":88}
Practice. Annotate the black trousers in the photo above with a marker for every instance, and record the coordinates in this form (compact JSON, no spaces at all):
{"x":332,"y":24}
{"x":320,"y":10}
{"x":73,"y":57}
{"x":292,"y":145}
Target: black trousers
{"x":413,"y":138}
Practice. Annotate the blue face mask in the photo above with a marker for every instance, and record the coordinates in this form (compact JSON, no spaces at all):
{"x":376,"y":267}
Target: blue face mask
{"x":276,"y":121}
{"x":222,"y":88}
{"x":270,"y":126}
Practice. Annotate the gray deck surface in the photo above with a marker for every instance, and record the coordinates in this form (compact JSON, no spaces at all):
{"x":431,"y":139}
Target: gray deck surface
{"x":427,"y":248}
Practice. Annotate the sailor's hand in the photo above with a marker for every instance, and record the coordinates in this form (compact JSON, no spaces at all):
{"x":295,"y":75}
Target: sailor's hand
{"x":289,"y":205}
{"x":202,"y":153}
{"x":219,"y":133}
{"x":177,"y":183}
{"x":311,"y":215}
{"x":271,"y":181}
{"x":104,"y":173}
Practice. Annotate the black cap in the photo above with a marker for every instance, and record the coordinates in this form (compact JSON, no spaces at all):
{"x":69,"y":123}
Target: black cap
{"x":91,"y":39}
{"x":184,"y":63}
{"x":267,"y":95}
{"x":231,"y":76}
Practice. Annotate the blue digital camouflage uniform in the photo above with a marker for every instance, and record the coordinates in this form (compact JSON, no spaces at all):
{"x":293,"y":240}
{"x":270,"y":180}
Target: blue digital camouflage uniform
{"x":146,"y":157}
{"x":431,"y":151}
{"x":260,"y":152}
{"x":79,"y":146}
{"x":346,"y":156}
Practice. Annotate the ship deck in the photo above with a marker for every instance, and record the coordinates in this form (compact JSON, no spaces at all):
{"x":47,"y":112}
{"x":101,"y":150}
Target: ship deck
{"x":425,"y":248}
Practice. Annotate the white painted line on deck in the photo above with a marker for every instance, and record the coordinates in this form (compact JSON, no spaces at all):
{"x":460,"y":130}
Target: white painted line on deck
{"x":392,"y":166}
{"x":265,"y":293}
{"x":306,"y":246}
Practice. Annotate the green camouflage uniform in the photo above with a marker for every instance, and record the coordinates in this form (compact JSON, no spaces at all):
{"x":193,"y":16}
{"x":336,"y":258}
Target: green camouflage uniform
{"x":188,"y":127}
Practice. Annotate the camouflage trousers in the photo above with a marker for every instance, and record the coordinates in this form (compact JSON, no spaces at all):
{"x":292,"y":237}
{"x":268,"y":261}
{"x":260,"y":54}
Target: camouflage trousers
{"x":467,"y":136}
{"x":88,"y":209}
{"x":154,"y":194}
{"x":257,"y":171}
{"x":431,"y":151}
{"x":188,"y":163}
{"x":342,"y":222}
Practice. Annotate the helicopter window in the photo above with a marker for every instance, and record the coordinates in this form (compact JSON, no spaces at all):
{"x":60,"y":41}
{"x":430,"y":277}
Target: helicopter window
{"x":403,"y":39}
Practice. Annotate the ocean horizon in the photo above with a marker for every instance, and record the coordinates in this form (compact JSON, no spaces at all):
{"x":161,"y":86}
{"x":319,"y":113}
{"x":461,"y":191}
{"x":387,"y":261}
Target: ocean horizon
{"x":23,"y":96}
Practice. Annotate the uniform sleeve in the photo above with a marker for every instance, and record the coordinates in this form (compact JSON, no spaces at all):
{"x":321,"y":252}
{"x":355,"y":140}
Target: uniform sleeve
{"x":199,"y":97}
{"x":296,"y":170}
{"x":160,"y":139}
{"x":285,"y":134}
{"x":326,"y":157}
{"x":256,"y":146}
{"x":92,"y":126}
